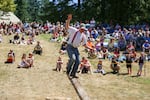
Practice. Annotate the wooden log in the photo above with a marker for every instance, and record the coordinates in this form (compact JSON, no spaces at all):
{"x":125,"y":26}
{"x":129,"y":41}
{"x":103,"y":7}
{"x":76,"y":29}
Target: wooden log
{"x":57,"y":98}
{"x":81,"y":92}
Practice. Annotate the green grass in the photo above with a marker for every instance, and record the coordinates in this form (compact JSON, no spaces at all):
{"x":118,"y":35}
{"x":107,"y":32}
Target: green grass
{"x":139,"y":80}
{"x":45,"y":36}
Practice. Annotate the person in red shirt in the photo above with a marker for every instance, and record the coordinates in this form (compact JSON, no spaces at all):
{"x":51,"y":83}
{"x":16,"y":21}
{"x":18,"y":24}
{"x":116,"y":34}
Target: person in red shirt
{"x":10,"y":57}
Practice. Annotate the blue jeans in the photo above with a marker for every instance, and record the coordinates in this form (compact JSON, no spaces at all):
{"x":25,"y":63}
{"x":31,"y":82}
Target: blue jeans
{"x":74,"y":60}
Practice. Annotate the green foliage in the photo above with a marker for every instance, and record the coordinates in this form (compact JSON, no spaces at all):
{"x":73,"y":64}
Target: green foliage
{"x":48,"y":11}
{"x":55,"y":12}
{"x":34,"y":9}
{"x":21,"y":10}
{"x":145,"y":81}
{"x":117,"y":11}
{"x":7,"y":5}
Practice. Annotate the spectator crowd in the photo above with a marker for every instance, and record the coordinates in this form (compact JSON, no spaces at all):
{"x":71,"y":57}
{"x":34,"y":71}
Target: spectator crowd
{"x":107,"y":41}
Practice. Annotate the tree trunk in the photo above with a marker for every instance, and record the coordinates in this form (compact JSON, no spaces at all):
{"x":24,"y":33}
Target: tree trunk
{"x":79,"y":3}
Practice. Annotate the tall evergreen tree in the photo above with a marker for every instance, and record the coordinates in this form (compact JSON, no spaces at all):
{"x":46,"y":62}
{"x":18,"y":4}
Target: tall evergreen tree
{"x":48,"y":11}
{"x":21,"y":10}
{"x":33,"y":9}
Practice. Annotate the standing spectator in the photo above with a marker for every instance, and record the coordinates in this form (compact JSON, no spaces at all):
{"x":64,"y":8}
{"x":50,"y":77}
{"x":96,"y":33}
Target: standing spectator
{"x":92,"y":23}
{"x":129,"y":64}
{"x":76,"y":36}
{"x":59,"y":64}
{"x":140,"y":61}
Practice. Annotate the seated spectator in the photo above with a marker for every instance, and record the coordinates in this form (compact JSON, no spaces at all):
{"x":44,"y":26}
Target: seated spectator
{"x":111,"y":45}
{"x":24,"y":63}
{"x":104,"y":52}
{"x":22,"y":41}
{"x":122,"y":58}
{"x":110,"y":55}
{"x":15,"y":39}
{"x":94,"y":34}
{"x":116,"y":53}
{"x":60,"y":38}
{"x":91,"y":49}
{"x":90,"y":45}
{"x":63,"y":48}
{"x":98,"y":45}
{"x":54,"y":36}
{"x":130,"y":47}
{"x":146,"y":47}
{"x":85,"y":66}
{"x":114,"y":66}
{"x":122,"y":42}
{"x":92,"y":53}
{"x":10,"y":57}
{"x":99,"y":68}
{"x":38,"y":49}
{"x":30,"y":40}
{"x":139,"y":42}
{"x":59,"y":64}
{"x":30,"y":59}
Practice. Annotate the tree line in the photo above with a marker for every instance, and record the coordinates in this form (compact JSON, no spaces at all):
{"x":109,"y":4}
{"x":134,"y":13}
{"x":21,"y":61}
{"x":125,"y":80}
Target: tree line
{"x":103,"y":11}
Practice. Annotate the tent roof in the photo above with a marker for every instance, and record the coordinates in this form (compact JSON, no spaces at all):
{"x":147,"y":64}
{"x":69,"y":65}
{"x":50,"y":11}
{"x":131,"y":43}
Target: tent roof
{"x":9,"y":17}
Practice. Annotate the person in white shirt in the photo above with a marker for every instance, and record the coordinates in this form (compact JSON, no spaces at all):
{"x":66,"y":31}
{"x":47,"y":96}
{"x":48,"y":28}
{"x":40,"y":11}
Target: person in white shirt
{"x":75,"y":38}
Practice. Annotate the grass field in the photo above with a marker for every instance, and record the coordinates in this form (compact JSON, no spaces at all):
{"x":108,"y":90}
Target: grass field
{"x":41,"y":81}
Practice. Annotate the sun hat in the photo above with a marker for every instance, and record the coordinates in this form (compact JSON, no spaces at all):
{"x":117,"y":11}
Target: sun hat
{"x":82,"y":26}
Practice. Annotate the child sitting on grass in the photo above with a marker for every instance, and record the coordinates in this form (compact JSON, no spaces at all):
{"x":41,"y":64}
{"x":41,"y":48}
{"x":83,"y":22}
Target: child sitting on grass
{"x":38,"y":48}
{"x":24,"y":63}
{"x":85,"y":66}
{"x":99,"y":68}
{"x":30,"y":59}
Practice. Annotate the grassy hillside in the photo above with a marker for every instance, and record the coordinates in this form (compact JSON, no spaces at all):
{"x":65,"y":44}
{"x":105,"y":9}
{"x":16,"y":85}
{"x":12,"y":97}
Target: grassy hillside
{"x":41,"y":81}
